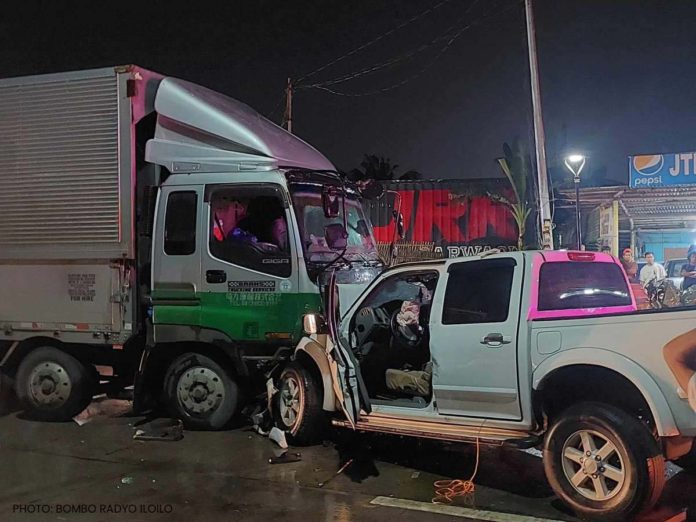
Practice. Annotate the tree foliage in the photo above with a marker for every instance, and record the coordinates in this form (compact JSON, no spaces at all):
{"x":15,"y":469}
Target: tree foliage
{"x":516,"y":167}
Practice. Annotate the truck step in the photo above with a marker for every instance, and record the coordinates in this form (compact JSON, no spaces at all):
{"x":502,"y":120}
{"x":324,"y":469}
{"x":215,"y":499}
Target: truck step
{"x":445,"y":431}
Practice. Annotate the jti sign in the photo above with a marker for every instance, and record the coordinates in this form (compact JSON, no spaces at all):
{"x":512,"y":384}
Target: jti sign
{"x":662,"y":170}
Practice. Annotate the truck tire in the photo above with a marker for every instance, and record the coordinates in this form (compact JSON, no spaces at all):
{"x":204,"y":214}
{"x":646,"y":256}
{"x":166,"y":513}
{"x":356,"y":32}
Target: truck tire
{"x":52,"y":385}
{"x":622,"y":476}
{"x":200,"y":392}
{"x":297,"y":407}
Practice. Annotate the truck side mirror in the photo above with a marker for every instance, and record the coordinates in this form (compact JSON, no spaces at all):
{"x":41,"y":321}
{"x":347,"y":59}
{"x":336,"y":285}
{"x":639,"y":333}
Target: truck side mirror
{"x":399,"y":217}
{"x":336,"y":236}
{"x":331,"y":202}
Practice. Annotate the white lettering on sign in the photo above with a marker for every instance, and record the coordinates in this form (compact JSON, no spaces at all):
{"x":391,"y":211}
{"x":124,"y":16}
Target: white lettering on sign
{"x":684,"y":164}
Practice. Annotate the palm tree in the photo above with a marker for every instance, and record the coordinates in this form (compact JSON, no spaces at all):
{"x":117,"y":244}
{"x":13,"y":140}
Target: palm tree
{"x":516,"y":169}
{"x":378,"y":167}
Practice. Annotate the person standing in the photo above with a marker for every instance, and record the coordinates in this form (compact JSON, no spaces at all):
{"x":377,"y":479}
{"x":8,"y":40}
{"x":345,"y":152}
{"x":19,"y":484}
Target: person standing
{"x":688,"y":271}
{"x":629,"y":265}
{"x":652,"y":271}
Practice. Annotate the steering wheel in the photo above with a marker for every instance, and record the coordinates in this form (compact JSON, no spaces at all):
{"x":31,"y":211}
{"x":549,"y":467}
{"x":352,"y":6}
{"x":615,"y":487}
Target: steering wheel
{"x":411,"y":335}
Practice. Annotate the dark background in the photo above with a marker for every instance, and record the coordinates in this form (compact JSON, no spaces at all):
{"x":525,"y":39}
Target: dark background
{"x":616,"y":75}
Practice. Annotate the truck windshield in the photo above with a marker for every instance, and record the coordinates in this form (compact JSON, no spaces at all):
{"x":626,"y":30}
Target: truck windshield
{"x":573,"y":284}
{"x":312,"y":223}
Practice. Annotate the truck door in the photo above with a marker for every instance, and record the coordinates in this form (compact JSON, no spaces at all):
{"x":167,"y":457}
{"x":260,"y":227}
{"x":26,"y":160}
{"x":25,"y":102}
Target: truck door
{"x":176,"y":257}
{"x":248,"y":271}
{"x":474,"y":346}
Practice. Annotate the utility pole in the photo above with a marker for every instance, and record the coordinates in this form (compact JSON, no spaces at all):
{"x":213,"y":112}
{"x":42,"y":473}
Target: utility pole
{"x":539,"y":138}
{"x":287,"y":117}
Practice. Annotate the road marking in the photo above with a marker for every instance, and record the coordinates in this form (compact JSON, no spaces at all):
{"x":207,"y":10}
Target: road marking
{"x":455,"y":511}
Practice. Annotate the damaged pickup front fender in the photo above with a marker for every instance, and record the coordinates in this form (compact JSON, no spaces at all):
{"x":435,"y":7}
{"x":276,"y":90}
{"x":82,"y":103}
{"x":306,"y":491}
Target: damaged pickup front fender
{"x":316,"y":351}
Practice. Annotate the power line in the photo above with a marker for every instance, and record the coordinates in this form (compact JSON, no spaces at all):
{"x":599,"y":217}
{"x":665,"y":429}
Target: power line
{"x":375,"y":40}
{"x":421,"y":71}
{"x":399,"y":58}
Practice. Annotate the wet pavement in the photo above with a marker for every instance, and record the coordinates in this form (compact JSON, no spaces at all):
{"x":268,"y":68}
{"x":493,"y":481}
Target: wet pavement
{"x":97,"y":472}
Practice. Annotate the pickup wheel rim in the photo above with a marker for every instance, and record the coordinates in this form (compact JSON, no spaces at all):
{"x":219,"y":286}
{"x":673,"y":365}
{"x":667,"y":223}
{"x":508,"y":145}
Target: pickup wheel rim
{"x":593,"y":465}
{"x":200,"y":390}
{"x":290,"y":400}
{"x":49,"y":384}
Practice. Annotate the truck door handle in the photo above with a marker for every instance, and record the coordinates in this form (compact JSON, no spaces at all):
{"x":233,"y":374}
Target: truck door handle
{"x":495,"y":340}
{"x":216,"y":276}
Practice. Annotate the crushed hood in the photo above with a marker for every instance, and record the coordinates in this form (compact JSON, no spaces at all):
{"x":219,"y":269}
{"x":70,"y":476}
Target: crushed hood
{"x":204,"y":131}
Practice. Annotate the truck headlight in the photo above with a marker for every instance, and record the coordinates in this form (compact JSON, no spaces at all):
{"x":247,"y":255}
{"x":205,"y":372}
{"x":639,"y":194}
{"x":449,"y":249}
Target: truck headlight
{"x":313,"y":324}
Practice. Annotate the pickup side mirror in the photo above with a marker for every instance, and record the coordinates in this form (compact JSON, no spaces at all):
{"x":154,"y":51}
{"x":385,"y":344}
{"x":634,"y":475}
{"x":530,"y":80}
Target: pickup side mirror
{"x":336,"y":236}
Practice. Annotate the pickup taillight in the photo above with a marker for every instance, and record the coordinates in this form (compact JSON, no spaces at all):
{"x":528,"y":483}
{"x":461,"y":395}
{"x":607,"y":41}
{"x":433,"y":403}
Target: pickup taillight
{"x":581,"y":256}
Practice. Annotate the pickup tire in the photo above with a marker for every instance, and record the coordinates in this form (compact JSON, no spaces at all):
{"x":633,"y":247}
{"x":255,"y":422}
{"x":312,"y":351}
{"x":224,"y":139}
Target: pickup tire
{"x":200,"y":392}
{"x":297,"y":407}
{"x":52,"y":385}
{"x":603,"y":463}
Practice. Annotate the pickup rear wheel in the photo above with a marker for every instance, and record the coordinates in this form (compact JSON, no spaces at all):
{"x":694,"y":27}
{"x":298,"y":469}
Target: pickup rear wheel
{"x":200,"y":392}
{"x":297,"y":405}
{"x":603,"y":462}
{"x":52,"y":385}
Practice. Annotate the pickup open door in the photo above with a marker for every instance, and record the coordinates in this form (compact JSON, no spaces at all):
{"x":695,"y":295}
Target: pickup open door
{"x":474,"y":346}
{"x":348,"y":384}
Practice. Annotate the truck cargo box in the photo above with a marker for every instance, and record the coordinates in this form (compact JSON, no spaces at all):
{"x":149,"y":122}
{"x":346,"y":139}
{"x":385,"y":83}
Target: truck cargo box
{"x":66,"y":165}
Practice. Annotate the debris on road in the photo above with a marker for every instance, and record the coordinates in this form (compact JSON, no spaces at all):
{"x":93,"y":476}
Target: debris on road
{"x":278,"y":436}
{"x":104,"y":408}
{"x":285,"y":458}
{"x":341,"y":470}
{"x":127,"y":480}
{"x":170,"y":430}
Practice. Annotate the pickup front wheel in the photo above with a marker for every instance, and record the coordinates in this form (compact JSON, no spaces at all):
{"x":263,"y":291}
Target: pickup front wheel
{"x":297,"y":408}
{"x":603,"y":462}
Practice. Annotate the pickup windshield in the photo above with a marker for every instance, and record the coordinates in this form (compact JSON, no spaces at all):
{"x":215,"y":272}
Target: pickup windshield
{"x":573,"y":284}
{"x":312,"y":223}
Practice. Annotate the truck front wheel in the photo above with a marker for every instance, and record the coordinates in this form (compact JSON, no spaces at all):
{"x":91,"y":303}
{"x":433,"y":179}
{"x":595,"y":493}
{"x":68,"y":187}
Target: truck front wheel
{"x":200,"y":392}
{"x":52,"y":385}
{"x":603,"y":462}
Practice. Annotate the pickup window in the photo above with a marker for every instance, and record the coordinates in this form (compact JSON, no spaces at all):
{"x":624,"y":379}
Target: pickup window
{"x":576,"y":285}
{"x":478,"y":292}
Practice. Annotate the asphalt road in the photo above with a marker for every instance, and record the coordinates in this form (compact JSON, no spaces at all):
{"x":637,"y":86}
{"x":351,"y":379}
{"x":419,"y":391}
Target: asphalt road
{"x":97,"y":472}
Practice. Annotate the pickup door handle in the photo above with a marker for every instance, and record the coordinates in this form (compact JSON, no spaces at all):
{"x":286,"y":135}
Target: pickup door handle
{"x":216,"y":276}
{"x":495,"y":340}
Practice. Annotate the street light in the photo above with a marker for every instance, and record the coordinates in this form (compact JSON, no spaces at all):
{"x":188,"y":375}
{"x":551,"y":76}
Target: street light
{"x":575,"y":164}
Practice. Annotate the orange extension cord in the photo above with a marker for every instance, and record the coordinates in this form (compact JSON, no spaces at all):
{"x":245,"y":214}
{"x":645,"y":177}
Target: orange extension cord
{"x":447,"y":490}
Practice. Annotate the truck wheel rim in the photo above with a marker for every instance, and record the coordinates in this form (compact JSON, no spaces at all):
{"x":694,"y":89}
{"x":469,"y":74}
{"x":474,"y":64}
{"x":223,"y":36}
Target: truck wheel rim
{"x":49,"y":385}
{"x":290,"y":401}
{"x":200,"y":390}
{"x":593,"y":465}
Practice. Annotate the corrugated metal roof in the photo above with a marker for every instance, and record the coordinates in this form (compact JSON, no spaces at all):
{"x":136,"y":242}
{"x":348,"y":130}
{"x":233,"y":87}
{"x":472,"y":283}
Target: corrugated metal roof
{"x":649,"y":208}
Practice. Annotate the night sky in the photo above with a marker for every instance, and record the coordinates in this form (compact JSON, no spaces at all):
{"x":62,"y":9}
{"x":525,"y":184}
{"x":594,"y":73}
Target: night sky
{"x":616,"y":76}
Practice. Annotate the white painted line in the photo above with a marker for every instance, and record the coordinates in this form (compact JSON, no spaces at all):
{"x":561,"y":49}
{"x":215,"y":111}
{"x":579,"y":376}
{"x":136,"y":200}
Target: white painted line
{"x":455,"y":511}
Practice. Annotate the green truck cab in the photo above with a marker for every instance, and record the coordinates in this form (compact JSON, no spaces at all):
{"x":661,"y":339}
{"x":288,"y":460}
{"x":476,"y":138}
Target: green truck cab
{"x":183,"y":237}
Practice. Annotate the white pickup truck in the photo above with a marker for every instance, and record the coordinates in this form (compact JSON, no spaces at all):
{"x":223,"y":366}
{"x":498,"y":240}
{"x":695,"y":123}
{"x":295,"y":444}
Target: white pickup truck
{"x":524,"y":349}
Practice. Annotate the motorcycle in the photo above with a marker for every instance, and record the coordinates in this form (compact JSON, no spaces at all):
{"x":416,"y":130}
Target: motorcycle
{"x":663,"y":293}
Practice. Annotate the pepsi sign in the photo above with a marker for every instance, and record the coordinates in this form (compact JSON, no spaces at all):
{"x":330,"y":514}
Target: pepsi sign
{"x":662,"y":170}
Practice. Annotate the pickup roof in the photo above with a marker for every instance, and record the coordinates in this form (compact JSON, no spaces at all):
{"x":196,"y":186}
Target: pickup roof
{"x":523,"y":349}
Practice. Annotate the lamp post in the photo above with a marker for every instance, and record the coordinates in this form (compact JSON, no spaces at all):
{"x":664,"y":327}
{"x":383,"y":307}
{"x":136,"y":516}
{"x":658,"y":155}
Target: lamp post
{"x":575,"y":164}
